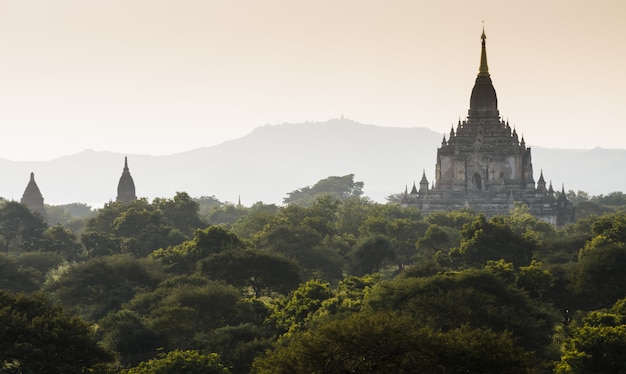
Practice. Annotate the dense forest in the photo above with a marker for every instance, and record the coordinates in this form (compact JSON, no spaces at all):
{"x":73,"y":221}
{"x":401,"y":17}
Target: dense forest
{"x":329,"y":282}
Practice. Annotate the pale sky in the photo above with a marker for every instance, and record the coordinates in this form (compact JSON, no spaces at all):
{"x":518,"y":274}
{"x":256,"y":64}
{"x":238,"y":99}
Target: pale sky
{"x":165,"y":76}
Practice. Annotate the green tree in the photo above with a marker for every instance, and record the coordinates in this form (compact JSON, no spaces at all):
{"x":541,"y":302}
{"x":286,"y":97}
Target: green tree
{"x":600,"y":275}
{"x":206,"y":204}
{"x":338,"y":188}
{"x":297,"y":308}
{"x":60,"y":240}
{"x":176,"y":362}
{"x":476,"y":298}
{"x":613,"y":200}
{"x":257,"y":217}
{"x":594,"y":349}
{"x":20,"y":229}
{"x":99,"y":244}
{"x":182,"y":258}
{"x":455,"y":219}
{"x":304,"y":245}
{"x":370,"y":254}
{"x":225,"y":214}
{"x":238,"y":345}
{"x":261,"y":271}
{"x":186,"y":312}
{"x":351,"y":214}
{"x":181,"y":213}
{"x":349,"y":295}
{"x":38,"y":337}
{"x":523,"y":223}
{"x":100,"y":285}
{"x":483,"y":240}
{"x":16,"y":278}
{"x":535,"y":279}
{"x":388,"y":343}
{"x":435,"y":239}
{"x":144,"y":230}
{"x":130,"y":335}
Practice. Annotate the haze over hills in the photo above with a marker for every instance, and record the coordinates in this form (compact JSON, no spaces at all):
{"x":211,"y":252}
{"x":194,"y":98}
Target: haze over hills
{"x":276,"y":159}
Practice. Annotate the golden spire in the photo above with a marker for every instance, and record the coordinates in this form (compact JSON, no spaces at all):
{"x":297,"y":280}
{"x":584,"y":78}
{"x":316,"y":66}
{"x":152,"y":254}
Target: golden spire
{"x":484,"y":69}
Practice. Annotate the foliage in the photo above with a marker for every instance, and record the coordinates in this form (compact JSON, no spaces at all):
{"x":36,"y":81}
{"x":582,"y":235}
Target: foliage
{"x":535,"y":279}
{"x":20,"y":229}
{"x":349,"y":296}
{"x":601,"y":279}
{"x":183,"y":312}
{"x":182,"y":258}
{"x":262,"y":271}
{"x":206,"y":203}
{"x":594,"y":349}
{"x":68,"y":214}
{"x":17,"y":278}
{"x":476,"y":298}
{"x":304,"y":245}
{"x":370,"y":254}
{"x":300,"y":305}
{"x":100,"y":285}
{"x":129,"y":335}
{"x":256,"y":218}
{"x":455,"y":219}
{"x":483,"y":240}
{"x":176,"y":362}
{"x":63,"y":241}
{"x":238,"y":345}
{"x":225,"y":214}
{"x":38,"y":337}
{"x":387,"y":343}
{"x":338,"y":188}
{"x":180,"y":212}
{"x":140,"y":227}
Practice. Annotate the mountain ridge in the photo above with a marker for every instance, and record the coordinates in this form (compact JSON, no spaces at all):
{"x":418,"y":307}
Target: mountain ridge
{"x":273,"y":160}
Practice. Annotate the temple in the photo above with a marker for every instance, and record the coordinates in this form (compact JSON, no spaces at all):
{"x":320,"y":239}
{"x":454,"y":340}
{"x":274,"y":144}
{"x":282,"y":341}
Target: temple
{"x":485,"y":166}
{"x":33,"y":199}
{"x":126,"y":186}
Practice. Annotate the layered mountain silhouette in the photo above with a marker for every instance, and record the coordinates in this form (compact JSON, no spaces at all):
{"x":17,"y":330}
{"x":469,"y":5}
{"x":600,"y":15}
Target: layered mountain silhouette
{"x":276,"y":159}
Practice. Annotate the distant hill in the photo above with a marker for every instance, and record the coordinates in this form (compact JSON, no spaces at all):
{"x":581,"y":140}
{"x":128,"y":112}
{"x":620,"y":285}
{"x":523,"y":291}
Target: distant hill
{"x":273,"y":160}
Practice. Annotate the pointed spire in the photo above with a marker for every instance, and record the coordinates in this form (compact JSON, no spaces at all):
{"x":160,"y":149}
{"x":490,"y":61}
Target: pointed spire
{"x":32,"y":197}
{"x":424,"y":180}
{"x":414,"y":189}
{"x":126,"y":186}
{"x":541,"y":176}
{"x":484,"y":69}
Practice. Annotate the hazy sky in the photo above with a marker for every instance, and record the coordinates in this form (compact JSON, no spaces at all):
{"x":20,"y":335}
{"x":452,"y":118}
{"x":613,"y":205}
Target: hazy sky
{"x":164,"y":76}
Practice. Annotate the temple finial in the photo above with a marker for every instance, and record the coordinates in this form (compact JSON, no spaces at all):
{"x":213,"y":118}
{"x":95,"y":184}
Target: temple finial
{"x":484,"y":69}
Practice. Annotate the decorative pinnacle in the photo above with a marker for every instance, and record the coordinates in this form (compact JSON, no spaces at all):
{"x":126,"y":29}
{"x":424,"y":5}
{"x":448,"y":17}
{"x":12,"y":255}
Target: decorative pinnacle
{"x":484,"y":69}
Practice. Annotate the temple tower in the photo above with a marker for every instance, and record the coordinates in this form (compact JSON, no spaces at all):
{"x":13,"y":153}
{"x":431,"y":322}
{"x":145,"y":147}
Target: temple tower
{"x":32,"y":198}
{"x":484,"y":165}
{"x":126,"y":186}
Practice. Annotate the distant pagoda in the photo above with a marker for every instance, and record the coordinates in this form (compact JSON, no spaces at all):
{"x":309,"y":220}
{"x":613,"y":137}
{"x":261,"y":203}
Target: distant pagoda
{"x":33,"y":199}
{"x":484,"y":166}
{"x":126,"y":186}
